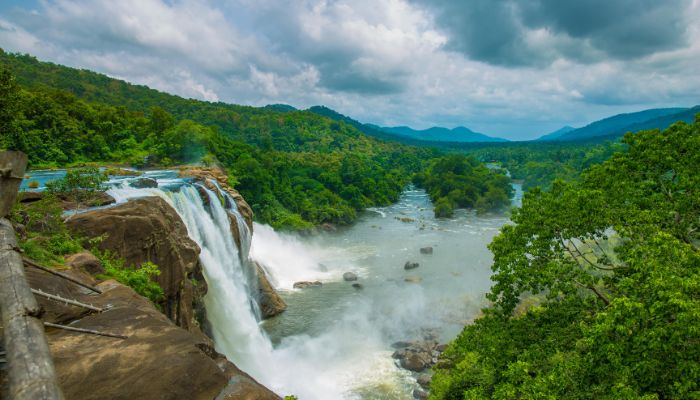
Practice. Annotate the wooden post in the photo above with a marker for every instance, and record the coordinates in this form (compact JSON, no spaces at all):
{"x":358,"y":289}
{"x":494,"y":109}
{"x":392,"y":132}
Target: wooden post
{"x":31,"y":372}
{"x":12,"y":167}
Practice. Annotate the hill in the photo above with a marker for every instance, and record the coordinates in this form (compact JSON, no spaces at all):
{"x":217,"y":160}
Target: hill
{"x":618,"y":125}
{"x":459,"y":134}
{"x":556,"y":134}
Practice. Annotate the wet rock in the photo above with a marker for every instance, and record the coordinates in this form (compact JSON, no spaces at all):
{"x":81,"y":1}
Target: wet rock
{"x":412,"y":279}
{"x":420,"y":394}
{"x":405,"y":219}
{"x":306,"y":284}
{"x":441,"y":347}
{"x":328,"y":227}
{"x":426,"y":250}
{"x":401,"y":344}
{"x":357,"y":286}
{"x":143,"y":183}
{"x":87,"y":262}
{"x":416,"y":355}
{"x":416,"y":361}
{"x":410,"y":265}
{"x":424,"y":380}
{"x":269,"y":300}
{"x":350,"y":276}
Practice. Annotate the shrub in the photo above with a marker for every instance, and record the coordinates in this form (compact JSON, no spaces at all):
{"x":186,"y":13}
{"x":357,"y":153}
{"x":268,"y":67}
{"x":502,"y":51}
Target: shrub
{"x":140,"y":279}
{"x":79,"y":184}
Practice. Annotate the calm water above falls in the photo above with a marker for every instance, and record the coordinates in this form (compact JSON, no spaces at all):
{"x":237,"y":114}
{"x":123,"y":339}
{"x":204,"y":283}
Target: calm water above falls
{"x":342,"y":335}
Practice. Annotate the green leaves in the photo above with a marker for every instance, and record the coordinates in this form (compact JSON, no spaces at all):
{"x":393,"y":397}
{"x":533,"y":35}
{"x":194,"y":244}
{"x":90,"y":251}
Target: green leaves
{"x":615,"y":258}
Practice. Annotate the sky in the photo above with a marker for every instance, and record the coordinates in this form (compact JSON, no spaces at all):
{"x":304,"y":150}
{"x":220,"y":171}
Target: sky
{"x":510,"y":68}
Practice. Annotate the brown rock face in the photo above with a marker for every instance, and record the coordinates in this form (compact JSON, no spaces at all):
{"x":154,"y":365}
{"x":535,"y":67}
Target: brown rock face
{"x":158,"y":360}
{"x":87,"y":262}
{"x":148,"y":229}
{"x":269,"y":300}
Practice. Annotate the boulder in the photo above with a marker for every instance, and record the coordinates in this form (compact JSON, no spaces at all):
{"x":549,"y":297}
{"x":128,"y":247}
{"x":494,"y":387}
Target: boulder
{"x":85,"y":261}
{"x":306,"y":284}
{"x":143,"y":183}
{"x":426,"y":250}
{"x":269,"y":300}
{"x":416,"y":361}
{"x":410,"y":265}
{"x":357,"y":286}
{"x":350,"y":276}
{"x":148,"y":229}
{"x":158,"y":360}
{"x":420,"y":394}
{"x":424,"y":380}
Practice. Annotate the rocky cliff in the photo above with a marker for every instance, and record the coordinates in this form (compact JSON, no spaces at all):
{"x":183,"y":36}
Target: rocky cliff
{"x":148,"y":229}
{"x":157,"y":360}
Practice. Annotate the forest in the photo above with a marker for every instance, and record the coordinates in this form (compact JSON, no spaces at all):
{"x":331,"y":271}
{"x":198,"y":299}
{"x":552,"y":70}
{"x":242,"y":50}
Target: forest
{"x":596,"y":285}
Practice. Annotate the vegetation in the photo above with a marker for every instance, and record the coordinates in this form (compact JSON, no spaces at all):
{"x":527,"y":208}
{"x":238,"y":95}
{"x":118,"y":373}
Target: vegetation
{"x":140,"y":279}
{"x":296,"y":169}
{"x":615,"y":259}
{"x":458,"y":181}
{"x":78,"y":184}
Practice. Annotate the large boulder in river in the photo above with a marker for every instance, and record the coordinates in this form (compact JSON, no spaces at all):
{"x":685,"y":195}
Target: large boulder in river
{"x":158,"y":360}
{"x":269,"y":300}
{"x":349,"y":276}
{"x":410,"y":265}
{"x":148,"y":229}
{"x":144,"y":183}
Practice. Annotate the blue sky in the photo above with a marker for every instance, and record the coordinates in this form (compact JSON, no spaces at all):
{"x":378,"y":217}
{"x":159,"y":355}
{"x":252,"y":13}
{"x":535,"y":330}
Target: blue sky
{"x":515,"y":69}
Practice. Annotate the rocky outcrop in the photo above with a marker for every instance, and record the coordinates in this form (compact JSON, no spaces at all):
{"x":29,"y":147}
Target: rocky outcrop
{"x":418,"y":355}
{"x":410,"y":265}
{"x":158,"y":360}
{"x":86,"y":261}
{"x":143,"y":183}
{"x":96,"y":199}
{"x":269,"y":300}
{"x":349,"y":276}
{"x":148,"y":229}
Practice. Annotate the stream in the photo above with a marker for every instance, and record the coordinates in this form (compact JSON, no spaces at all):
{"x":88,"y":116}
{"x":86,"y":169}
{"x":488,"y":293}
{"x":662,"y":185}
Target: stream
{"x":334,"y":341}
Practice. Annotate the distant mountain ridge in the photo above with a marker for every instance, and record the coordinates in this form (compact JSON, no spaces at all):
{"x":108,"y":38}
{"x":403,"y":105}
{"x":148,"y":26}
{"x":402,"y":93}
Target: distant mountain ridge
{"x":440,"y":134}
{"x":618,"y":125}
{"x":557,"y":134}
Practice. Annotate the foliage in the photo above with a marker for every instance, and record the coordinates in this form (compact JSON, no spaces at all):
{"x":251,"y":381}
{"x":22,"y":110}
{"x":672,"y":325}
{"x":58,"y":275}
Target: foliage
{"x":297,"y":169}
{"x":140,"y":279}
{"x":45,"y":237}
{"x":616,"y":257}
{"x":78,"y":184}
{"x":458,"y":181}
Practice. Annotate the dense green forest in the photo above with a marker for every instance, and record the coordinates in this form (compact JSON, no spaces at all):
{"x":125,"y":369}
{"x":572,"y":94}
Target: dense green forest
{"x":458,"y":181}
{"x":297,"y":169}
{"x":597,"y":286}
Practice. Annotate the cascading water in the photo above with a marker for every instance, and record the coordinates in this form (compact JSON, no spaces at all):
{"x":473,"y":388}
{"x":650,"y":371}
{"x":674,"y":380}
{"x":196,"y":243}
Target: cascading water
{"x":230,"y":314}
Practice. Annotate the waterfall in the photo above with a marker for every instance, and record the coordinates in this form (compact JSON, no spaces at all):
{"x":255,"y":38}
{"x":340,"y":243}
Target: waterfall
{"x":230,"y":312}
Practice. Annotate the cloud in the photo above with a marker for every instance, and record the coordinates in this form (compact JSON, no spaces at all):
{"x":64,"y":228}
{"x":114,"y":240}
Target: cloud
{"x":504,"y":67}
{"x":538,"y":32}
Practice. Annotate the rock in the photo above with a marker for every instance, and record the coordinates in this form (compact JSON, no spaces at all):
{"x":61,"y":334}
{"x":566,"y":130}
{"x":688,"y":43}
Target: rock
{"x":441,"y":347}
{"x":306,"y":284}
{"x":350,"y":276}
{"x":426,"y":250}
{"x":424,"y":380}
{"x":416,"y":361}
{"x":412,"y":279}
{"x":143,"y":183}
{"x":328,"y":227}
{"x":148,"y":229}
{"x":87,"y":262}
{"x":420,"y":394}
{"x":158,"y":360}
{"x":401,"y":344}
{"x":357,"y":286}
{"x":29,"y":197}
{"x":269,"y":300}
{"x":405,"y":219}
{"x":410,"y":265}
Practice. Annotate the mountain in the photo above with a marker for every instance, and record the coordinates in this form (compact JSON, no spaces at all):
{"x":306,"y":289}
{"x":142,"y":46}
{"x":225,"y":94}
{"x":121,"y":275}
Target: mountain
{"x":556,"y":134}
{"x":620,"y":124}
{"x":439,"y":134}
{"x":280,"y":107}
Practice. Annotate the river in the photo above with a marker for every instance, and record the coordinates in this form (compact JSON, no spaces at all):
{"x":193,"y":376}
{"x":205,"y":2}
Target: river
{"x":334,"y":341}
